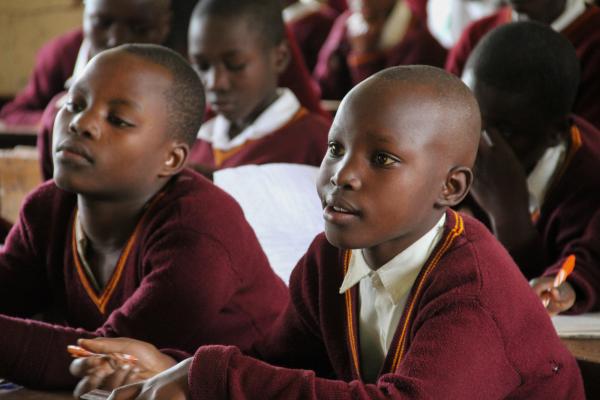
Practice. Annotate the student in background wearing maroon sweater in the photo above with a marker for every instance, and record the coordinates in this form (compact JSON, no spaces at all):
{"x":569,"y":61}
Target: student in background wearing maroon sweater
{"x":106,"y":24}
{"x":124,"y":241}
{"x":577,"y":20}
{"x":370,"y":36}
{"x":537,"y":174}
{"x":401,"y":298}
{"x":238,"y":47}
{"x":310,"y":21}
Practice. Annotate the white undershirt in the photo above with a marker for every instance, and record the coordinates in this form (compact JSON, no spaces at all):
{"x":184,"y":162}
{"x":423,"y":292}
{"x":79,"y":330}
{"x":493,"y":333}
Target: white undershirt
{"x":383,"y":294}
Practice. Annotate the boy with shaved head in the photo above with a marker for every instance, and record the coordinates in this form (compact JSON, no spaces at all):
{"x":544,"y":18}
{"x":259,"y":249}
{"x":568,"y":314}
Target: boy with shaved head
{"x":401,"y":297}
{"x":537,"y":175}
{"x":106,"y":24}
{"x":125,"y":241}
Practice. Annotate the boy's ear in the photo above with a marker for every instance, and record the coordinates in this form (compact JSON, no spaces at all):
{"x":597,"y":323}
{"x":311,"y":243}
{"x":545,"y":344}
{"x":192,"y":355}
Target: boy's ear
{"x":457,"y":185}
{"x":281,"y":56}
{"x":175,"y":160}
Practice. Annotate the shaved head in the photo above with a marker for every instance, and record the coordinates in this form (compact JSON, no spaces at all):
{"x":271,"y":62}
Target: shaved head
{"x":442,"y":103}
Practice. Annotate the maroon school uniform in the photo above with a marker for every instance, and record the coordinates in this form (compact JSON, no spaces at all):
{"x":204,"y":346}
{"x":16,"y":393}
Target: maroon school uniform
{"x":53,"y":66}
{"x":584,"y":35}
{"x":303,"y":140}
{"x":472,"y":329}
{"x":311,"y":30}
{"x":192,"y":273}
{"x":569,"y":220}
{"x":338,"y":69}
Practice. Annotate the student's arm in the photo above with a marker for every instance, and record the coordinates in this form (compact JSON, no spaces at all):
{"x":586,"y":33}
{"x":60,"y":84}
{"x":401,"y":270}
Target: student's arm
{"x":48,"y":78}
{"x":500,"y":189}
{"x":174,"y":306}
{"x":457,"y":352}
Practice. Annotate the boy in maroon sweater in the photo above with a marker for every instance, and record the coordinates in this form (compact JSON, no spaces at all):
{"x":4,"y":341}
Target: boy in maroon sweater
{"x":106,"y":24}
{"x":537,"y":181}
{"x":124,"y":239}
{"x":370,"y":36}
{"x":238,"y":47}
{"x":401,"y":297}
{"x":577,"y":20}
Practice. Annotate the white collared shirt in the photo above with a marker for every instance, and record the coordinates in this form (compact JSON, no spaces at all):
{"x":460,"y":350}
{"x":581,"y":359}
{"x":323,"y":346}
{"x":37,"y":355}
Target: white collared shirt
{"x":573,"y":9}
{"x":540,"y":178}
{"x":383,"y":294}
{"x":300,"y":9}
{"x":279,"y":113}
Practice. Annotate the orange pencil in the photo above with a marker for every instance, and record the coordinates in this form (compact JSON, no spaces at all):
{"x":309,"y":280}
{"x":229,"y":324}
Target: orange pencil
{"x":77,"y":351}
{"x":565,"y":270}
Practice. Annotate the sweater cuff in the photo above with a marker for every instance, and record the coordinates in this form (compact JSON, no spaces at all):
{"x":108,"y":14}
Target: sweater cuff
{"x":207,"y":377}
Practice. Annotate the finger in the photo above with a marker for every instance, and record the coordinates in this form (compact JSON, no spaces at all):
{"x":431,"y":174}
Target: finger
{"x":127,"y":392}
{"x":89,"y":383}
{"x":541,"y":285}
{"x":105,"y":345}
{"x":117,"y":378}
{"x":80,"y":367}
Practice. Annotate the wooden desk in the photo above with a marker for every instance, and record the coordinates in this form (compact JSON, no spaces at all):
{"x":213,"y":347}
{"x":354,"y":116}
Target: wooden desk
{"x":584,"y":349}
{"x":11,"y":136}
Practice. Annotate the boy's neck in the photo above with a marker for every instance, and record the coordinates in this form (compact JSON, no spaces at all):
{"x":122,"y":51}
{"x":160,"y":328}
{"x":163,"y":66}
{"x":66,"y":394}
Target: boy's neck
{"x":236,"y":127}
{"x":109,"y":224}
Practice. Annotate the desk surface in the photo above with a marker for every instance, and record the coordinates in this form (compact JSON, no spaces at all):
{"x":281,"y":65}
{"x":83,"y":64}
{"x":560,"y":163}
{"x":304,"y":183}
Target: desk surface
{"x":584,"y":349}
{"x":26,"y":394}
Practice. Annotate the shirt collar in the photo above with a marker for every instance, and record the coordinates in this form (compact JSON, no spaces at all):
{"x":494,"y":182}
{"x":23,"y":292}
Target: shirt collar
{"x":540,"y":177}
{"x":573,"y":9}
{"x":279,"y":113}
{"x":398,"y":274}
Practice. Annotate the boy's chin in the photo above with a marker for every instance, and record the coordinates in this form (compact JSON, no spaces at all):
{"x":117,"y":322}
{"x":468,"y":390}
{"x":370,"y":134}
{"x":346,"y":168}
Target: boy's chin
{"x":342,"y":240}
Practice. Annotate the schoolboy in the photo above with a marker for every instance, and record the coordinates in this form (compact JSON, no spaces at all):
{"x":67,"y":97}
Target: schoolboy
{"x":577,"y":20}
{"x":124,"y":241}
{"x":310,"y":21}
{"x":238,"y":47}
{"x":537,"y":180}
{"x":106,"y":24}
{"x":401,"y":297}
{"x":370,"y":36}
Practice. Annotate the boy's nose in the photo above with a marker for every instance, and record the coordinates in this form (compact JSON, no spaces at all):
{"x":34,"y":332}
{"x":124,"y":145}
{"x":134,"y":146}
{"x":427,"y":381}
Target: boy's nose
{"x":84,"y":124}
{"x":216,"y":79}
{"x":347,"y":176}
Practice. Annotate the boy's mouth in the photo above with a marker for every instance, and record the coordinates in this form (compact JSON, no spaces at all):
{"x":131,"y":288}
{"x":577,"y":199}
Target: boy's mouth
{"x":339,"y":211}
{"x":73,"y":152}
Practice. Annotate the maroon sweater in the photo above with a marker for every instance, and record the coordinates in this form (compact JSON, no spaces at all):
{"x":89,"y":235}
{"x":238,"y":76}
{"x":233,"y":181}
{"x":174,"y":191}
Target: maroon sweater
{"x":472,"y":329}
{"x":194,"y":274}
{"x":301,"y":141}
{"x":338,"y":69}
{"x":569,"y":219}
{"x":584,"y":34}
{"x":311,"y":31}
{"x":54,"y":65}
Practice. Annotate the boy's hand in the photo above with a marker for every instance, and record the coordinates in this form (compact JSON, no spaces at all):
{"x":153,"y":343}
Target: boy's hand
{"x":365,"y":39}
{"x":170,"y":384}
{"x":103,"y":373}
{"x":560,"y":299}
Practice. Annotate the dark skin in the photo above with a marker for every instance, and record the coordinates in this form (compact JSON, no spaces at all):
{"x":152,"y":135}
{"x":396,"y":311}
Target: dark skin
{"x":514,"y":140}
{"x":544,"y":11}
{"x":389,"y":178}
{"x":110,"y":23}
{"x":238,"y":67}
{"x":111,"y":147}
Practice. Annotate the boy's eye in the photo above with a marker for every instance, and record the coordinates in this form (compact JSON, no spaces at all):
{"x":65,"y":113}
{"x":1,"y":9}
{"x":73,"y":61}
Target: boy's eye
{"x":116,"y":121}
{"x":235,"y":66}
{"x":383,"y":159}
{"x":73,"y":107}
{"x":201,"y":66}
{"x":335,"y":150}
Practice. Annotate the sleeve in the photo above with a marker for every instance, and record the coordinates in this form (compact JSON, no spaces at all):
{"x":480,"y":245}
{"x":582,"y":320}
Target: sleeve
{"x":46,"y":81}
{"x":458,"y":55}
{"x":332,"y":71}
{"x":585,"y":245}
{"x":456,"y":352}
{"x":175,"y":307}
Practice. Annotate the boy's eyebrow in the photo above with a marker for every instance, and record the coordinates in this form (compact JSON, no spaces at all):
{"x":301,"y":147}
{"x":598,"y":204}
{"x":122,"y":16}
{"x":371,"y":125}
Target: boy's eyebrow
{"x":123,"y":102}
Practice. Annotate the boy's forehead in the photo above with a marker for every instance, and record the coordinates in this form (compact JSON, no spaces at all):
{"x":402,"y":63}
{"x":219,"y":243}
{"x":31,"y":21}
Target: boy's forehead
{"x":128,"y":8}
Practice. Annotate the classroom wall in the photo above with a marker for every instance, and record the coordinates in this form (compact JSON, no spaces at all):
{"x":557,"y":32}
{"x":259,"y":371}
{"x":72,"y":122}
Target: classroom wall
{"x":25,"y":25}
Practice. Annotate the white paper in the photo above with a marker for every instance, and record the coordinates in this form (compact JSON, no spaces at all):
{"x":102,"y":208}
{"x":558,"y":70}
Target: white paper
{"x":281,"y":204}
{"x":577,"y":326}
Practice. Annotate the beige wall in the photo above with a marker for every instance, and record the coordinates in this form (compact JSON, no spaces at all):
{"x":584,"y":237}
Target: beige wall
{"x":25,"y":25}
